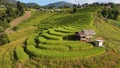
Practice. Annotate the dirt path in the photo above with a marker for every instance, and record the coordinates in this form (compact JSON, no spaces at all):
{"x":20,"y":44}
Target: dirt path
{"x":17,"y":21}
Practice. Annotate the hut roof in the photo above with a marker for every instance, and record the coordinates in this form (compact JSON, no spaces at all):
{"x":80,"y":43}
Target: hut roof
{"x":86,"y":32}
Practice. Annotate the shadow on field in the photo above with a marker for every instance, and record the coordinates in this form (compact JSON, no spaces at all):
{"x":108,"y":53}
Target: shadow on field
{"x":71,"y":38}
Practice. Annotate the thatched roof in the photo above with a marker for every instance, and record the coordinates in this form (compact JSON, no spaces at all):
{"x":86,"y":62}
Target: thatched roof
{"x":86,"y":33}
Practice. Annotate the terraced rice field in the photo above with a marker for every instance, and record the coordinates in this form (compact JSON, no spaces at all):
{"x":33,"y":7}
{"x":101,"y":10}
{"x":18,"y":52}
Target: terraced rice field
{"x":55,"y":37}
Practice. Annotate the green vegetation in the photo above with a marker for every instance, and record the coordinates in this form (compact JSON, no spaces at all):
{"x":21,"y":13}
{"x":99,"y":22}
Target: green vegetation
{"x":20,"y":8}
{"x":3,"y":38}
{"x":114,"y":22}
{"x":53,"y":47}
{"x":21,"y":55}
{"x":9,"y":13}
{"x":73,"y":54}
{"x":50,"y":42}
{"x":53,"y":44}
{"x":48,"y":36}
{"x":31,"y":40}
{"x":111,"y":13}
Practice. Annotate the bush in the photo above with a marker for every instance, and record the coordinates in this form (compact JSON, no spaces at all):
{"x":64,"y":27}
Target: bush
{"x":110,"y":13}
{"x":3,"y":38}
{"x":15,"y":28}
{"x":1,"y":29}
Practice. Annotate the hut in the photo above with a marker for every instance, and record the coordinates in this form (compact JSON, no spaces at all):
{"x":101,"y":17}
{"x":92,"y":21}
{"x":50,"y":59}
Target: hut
{"x":85,"y":35}
{"x":99,"y":41}
{"x":2,"y":6}
{"x":58,"y":10}
{"x":107,"y":6}
{"x":51,"y":10}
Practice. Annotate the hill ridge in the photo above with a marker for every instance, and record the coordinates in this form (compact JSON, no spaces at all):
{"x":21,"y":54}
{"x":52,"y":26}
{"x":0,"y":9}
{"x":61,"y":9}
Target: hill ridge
{"x":59,"y":4}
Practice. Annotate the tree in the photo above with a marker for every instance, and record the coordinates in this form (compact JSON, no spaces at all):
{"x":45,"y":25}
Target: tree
{"x":111,"y":13}
{"x":1,"y":29}
{"x":65,"y":6}
{"x":20,"y":8}
{"x":104,"y":12}
{"x":15,"y":28}
{"x":3,"y":38}
{"x":10,"y":12}
{"x":74,"y":8}
{"x":116,"y":14}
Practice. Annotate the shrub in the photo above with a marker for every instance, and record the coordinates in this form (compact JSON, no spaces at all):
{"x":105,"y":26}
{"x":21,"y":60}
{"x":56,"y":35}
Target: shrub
{"x":3,"y":38}
{"x":15,"y":28}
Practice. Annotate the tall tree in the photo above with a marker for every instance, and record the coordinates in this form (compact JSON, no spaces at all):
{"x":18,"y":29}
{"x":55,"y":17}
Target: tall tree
{"x":20,"y":8}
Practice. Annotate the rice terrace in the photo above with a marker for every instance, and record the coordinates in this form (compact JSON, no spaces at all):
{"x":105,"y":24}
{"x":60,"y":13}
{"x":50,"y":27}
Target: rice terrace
{"x":60,"y":34}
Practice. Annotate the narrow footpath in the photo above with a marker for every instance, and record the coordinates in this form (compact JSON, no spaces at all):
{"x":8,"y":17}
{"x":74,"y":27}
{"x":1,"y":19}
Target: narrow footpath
{"x":17,"y":21}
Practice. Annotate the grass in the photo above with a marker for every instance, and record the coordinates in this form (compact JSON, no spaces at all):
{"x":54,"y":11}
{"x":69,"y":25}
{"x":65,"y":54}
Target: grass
{"x":52,"y":50}
{"x":58,"y":54}
{"x":31,"y":40}
{"x":114,"y":23}
{"x":59,"y":29}
{"x":21,"y":55}
{"x":7,"y":59}
{"x":22,"y":33}
{"x":36,"y":18}
{"x":98,"y":57}
{"x":2,"y":9}
{"x":48,"y":36}
{"x":53,"y":32}
{"x":45,"y":41}
{"x":53,"y":47}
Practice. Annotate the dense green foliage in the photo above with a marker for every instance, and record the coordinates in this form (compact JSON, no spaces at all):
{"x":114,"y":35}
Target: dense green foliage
{"x":111,"y":13}
{"x":10,"y":12}
{"x":3,"y":38}
{"x":6,"y":16}
{"x":20,"y":8}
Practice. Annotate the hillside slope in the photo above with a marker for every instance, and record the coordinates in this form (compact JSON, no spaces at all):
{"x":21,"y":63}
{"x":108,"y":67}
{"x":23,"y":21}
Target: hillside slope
{"x":46,"y":47}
